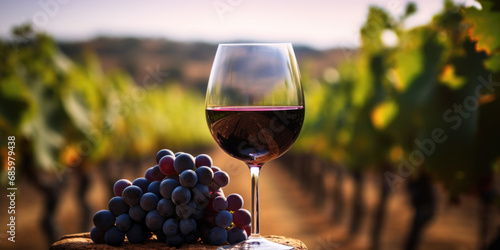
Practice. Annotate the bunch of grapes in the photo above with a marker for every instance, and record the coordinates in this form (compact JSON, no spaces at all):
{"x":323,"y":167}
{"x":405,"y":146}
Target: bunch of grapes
{"x":180,"y":200}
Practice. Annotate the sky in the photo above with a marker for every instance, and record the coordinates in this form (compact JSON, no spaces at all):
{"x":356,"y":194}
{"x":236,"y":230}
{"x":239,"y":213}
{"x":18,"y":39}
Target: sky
{"x":317,"y":23}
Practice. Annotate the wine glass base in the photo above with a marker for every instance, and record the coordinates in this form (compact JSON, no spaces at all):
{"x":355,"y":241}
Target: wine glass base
{"x":256,"y":243}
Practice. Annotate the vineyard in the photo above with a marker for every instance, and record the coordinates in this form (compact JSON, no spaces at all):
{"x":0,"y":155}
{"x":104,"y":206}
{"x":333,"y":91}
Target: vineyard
{"x":421,"y":111}
{"x":415,"y":114}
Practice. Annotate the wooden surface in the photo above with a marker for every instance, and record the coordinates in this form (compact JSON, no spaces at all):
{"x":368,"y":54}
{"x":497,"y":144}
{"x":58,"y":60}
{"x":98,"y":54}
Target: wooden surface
{"x":83,"y":241}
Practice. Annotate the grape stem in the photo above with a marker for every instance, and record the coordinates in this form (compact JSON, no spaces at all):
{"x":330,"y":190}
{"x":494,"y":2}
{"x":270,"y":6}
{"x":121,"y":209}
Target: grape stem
{"x":254,"y":172}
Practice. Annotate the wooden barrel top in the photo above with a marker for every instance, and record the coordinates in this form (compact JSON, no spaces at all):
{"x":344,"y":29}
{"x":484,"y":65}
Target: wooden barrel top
{"x":83,"y":241}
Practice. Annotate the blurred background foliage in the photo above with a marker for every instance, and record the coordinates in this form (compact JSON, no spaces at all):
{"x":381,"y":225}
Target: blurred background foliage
{"x":418,"y":106}
{"x":59,"y":106}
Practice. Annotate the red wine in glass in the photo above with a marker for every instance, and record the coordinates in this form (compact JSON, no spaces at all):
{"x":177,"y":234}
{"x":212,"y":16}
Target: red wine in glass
{"x":256,"y":134}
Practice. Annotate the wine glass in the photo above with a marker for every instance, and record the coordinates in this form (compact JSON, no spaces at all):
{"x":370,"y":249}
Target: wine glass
{"x":255,"y":111}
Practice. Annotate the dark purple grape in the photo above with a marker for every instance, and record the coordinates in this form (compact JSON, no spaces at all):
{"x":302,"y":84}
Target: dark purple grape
{"x":167,"y":186}
{"x":118,"y":206}
{"x":120,"y":185}
{"x":154,"y":187}
{"x":223,"y":219}
{"x":205,"y":175}
{"x":187,"y":226}
{"x":188,"y":178}
{"x":97,"y":235}
{"x":201,"y":195}
{"x":203,"y":160}
{"x":215,"y":191}
{"x":217,"y":236}
{"x":163,"y":153}
{"x":242,"y":218}
{"x":219,"y":203}
{"x":104,"y":219}
{"x":157,"y":174}
{"x":173,"y":177}
{"x":235,"y":235}
{"x":123,"y":222}
{"x":154,"y":221}
{"x":247,"y":228}
{"x":137,"y":233}
{"x":132,"y":195}
{"x":183,"y":162}
{"x":137,"y":214}
{"x":234,"y":202}
{"x":142,"y":183}
{"x":149,"y":175}
{"x":149,"y":201}
{"x":215,"y":169}
{"x":175,"y":241}
{"x":221,"y":178}
{"x":171,"y":227}
{"x":220,"y":192}
{"x":114,"y":237}
{"x":181,"y":196}
{"x":166,"y":165}
{"x":178,"y":153}
{"x":166,"y":208}
{"x":185,"y":211}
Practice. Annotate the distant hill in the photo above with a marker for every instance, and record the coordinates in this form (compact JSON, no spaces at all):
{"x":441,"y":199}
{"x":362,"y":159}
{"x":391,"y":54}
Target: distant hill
{"x":187,"y":63}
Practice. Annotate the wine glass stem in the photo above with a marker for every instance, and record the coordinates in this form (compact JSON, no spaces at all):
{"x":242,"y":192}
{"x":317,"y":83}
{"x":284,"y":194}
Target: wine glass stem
{"x":254,"y":172}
